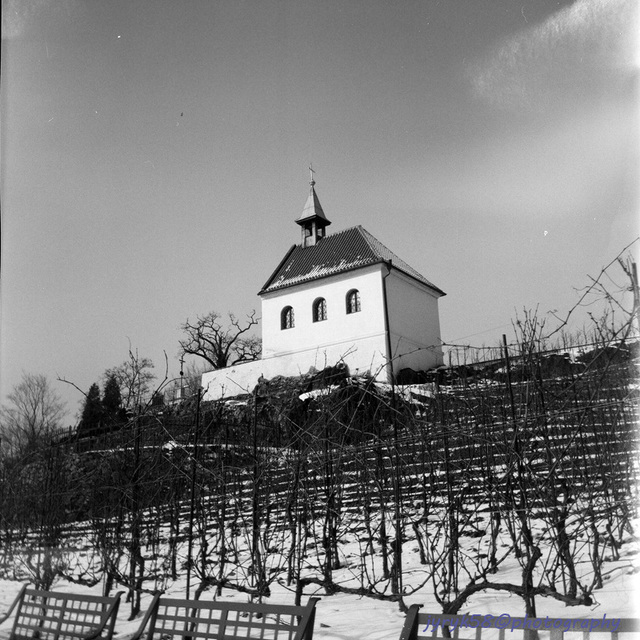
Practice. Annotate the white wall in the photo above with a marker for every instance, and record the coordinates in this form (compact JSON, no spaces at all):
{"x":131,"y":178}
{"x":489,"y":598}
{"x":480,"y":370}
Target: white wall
{"x":367,"y":357}
{"x":339,"y":327}
{"x":414,"y":324}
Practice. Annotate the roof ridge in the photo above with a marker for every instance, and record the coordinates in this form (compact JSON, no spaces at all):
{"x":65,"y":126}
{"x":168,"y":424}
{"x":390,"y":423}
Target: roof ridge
{"x":368,"y":237}
{"x":393,"y":258}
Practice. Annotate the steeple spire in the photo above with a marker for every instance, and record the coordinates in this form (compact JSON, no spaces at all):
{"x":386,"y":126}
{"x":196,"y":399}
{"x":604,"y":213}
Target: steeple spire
{"x":312,"y":220}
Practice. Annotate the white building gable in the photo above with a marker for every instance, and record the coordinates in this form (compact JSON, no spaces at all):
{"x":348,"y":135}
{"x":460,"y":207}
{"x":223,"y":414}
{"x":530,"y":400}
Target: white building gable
{"x":339,"y":298}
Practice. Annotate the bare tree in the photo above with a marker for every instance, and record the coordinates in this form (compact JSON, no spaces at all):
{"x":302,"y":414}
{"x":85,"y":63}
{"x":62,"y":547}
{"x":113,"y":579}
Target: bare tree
{"x":35,"y":412}
{"x":221,"y":346}
{"x":134,"y":377}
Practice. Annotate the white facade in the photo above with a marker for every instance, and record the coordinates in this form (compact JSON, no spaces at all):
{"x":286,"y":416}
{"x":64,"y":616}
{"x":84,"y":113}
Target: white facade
{"x":359,"y":340}
{"x":341,"y":333}
{"x":414,"y":324}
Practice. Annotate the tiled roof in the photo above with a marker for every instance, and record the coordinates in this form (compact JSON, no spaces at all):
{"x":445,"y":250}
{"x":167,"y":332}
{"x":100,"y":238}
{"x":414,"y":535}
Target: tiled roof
{"x":349,"y":249}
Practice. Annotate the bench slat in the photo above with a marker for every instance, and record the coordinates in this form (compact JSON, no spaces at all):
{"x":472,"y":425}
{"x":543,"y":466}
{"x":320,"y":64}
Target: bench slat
{"x":204,"y":629}
{"x":231,"y":606}
{"x":53,"y":616}
{"x":59,"y":595}
{"x":266,"y":619}
{"x":30,"y":632}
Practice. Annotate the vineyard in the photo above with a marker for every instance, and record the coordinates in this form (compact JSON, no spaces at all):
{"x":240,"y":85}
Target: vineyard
{"x":329,"y":482}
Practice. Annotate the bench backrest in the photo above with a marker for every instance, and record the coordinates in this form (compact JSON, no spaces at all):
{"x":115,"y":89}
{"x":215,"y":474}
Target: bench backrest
{"x":202,"y":620}
{"x":50,"y":615}
{"x":434,"y":626}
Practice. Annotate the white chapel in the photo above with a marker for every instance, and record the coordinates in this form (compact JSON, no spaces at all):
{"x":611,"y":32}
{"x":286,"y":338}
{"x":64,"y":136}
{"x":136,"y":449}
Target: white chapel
{"x":339,"y":298}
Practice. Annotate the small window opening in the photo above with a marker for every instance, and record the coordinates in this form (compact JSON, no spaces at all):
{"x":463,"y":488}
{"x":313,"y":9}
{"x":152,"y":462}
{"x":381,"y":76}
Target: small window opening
{"x":353,"y":301}
{"x":319,"y":310}
{"x":286,"y":318}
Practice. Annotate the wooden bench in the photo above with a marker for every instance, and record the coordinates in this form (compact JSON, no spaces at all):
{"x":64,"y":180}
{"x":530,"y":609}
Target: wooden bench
{"x":207,"y":620}
{"x":51,"y":615}
{"x":478,"y":626}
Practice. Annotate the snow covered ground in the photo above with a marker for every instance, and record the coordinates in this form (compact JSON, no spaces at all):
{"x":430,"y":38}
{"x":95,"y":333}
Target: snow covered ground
{"x":348,"y":617}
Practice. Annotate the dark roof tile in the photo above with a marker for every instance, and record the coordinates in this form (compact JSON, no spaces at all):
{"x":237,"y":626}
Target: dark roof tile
{"x":344,"y":251}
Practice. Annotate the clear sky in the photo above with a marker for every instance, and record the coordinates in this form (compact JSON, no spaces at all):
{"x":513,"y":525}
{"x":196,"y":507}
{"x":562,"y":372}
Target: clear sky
{"x":155,"y":154}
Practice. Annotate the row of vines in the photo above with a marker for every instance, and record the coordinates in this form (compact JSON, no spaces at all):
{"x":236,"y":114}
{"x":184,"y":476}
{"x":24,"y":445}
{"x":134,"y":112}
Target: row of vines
{"x":521,"y":465}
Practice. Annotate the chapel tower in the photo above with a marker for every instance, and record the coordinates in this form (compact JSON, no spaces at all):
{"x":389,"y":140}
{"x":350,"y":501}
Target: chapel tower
{"x":312,"y":219}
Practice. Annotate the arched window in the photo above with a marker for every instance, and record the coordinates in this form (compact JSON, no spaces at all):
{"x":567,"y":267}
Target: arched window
{"x":319,"y":310}
{"x":353,"y":301}
{"x":287,"y":320}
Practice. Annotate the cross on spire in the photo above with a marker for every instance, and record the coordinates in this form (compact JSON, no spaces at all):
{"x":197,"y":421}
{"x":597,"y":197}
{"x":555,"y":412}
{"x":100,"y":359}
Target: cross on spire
{"x":311,"y":172}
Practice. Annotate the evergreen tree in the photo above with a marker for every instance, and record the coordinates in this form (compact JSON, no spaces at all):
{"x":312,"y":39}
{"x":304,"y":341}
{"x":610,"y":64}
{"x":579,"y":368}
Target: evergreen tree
{"x":112,"y":399}
{"x":92,"y":411}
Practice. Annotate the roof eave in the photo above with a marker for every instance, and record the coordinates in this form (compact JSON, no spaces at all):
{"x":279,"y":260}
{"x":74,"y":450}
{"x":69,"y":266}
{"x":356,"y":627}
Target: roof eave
{"x":275,"y":271}
{"x":389,"y":263}
{"x":322,"y":277}
{"x":313,"y":216}
{"x":424,"y":282}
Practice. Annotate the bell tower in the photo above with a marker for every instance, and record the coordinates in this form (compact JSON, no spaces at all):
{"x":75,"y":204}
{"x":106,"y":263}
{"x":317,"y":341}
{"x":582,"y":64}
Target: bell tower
{"x":312,"y":219}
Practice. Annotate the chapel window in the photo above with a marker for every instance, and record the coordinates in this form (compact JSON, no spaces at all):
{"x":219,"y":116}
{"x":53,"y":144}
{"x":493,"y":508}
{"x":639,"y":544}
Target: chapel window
{"x":319,"y":310}
{"x":287,"y":320}
{"x":353,"y":301}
